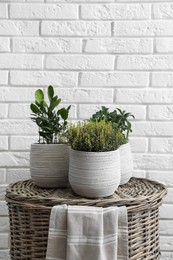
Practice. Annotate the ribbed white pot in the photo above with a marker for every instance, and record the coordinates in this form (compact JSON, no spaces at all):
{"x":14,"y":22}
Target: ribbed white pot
{"x":126,"y":160}
{"x":49,"y":165}
{"x":94,"y":174}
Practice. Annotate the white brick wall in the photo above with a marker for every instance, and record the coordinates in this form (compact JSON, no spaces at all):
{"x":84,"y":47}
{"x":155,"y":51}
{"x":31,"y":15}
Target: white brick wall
{"x":95,"y":52}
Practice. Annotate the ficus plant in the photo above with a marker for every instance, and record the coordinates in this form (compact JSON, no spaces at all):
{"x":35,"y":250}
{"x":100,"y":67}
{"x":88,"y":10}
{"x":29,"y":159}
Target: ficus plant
{"x":119,"y":119}
{"x":52,"y":122}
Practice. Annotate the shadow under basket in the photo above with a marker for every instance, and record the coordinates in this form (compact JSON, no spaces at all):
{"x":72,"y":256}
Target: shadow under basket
{"x":30,"y":206}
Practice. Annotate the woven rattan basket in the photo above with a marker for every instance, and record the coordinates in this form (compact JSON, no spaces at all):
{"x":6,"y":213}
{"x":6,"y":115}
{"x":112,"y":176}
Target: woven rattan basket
{"x":30,"y":207}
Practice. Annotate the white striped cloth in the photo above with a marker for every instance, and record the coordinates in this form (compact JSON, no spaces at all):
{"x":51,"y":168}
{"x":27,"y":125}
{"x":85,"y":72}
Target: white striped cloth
{"x":88,"y":233}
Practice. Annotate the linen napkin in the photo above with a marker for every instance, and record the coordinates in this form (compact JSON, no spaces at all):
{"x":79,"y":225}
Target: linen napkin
{"x":82,"y":233}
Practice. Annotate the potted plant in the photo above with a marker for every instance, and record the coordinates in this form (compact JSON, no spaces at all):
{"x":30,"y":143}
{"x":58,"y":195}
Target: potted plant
{"x":49,"y":158}
{"x":94,"y":169}
{"x":119,"y":120}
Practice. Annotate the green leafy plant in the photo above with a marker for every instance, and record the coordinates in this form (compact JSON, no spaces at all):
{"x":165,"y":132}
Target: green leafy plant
{"x":52,"y":123}
{"x":119,"y":119}
{"x":95,"y":136}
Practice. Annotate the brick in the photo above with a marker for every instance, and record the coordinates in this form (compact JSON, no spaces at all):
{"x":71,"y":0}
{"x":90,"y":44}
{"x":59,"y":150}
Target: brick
{"x":159,"y":62}
{"x":163,"y":176}
{"x":77,"y":1}
{"x":3,"y":208}
{"x":3,"y":77}
{"x":43,"y":11}
{"x":21,"y":127}
{"x":14,"y":28}
{"x":143,"y":28}
{"x":3,"y":111}
{"x":161,"y":145}
{"x":164,"y":45}
{"x":163,"y":10}
{"x":4,"y":44}
{"x":152,"y":129}
{"x":154,"y":161}
{"x":18,"y":110}
{"x":115,"y":11}
{"x":16,"y":94}
{"x":4,"y":255}
{"x":2,"y":176}
{"x":144,"y":96}
{"x":80,"y":62}
{"x":4,"y":224}
{"x":76,"y":28}
{"x":118,"y":45}
{"x":166,"y":255}
{"x":3,"y":143}
{"x":166,"y":211}
{"x":166,"y":243}
{"x":161,"y":112}
{"x":114,"y":79}
{"x":166,"y":227}
{"x":21,"y":61}
{"x":3,"y":11}
{"x":4,"y":239}
{"x":37,"y":78}
{"x":22,"y":142}
{"x":139,"y":174}
{"x":139,"y":144}
{"x":169,"y":198}
{"x":162,"y":79}
{"x":12,"y":159}
{"x":49,"y":45}
{"x":3,"y":188}
{"x":86,"y":110}
{"x":14,"y":175}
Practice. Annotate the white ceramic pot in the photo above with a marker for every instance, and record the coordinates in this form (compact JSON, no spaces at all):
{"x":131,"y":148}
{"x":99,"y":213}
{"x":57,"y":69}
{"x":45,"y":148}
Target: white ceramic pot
{"x":126,"y":160}
{"x":49,"y":165}
{"x":94,"y":174}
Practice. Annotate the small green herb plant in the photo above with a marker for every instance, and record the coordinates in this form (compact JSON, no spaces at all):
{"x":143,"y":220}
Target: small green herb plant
{"x":52,"y":123}
{"x":119,"y":119}
{"x":96,"y":136}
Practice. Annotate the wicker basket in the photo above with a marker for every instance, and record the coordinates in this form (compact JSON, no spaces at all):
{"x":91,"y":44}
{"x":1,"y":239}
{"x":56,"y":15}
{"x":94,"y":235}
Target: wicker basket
{"x":30,"y":206}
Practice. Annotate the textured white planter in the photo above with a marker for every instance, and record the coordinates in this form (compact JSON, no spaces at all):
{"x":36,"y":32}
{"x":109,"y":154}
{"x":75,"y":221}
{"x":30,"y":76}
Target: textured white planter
{"x":49,"y":165}
{"x":126,"y":160}
{"x":94,"y":174}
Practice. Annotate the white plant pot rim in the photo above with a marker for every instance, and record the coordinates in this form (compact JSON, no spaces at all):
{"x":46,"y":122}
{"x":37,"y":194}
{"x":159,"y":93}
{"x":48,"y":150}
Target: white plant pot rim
{"x":38,"y":144}
{"x":86,"y":152}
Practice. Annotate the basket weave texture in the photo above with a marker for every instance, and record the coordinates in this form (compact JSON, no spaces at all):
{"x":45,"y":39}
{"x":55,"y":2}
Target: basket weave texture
{"x":30,"y":206}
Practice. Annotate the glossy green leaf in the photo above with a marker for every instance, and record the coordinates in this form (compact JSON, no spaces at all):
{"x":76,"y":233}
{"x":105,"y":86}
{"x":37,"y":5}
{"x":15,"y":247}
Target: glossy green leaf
{"x":50,"y":92}
{"x":39,"y":96}
{"x":34,"y":109}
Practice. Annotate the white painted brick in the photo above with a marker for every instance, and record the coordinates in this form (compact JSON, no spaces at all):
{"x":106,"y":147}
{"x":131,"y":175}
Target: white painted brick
{"x":17,"y":94}
{"x":161,"y":112}
{"x":3,"y":111}
{"x":163,"y":11}
{"x":28,"y":28}
{"x":3,"y":77}
{"x":4,"y":255}
{"x":80,"y":62}
{"x":165,"y":177}
{"x":22,"y":142}
{"x":162,"y":79}
{"x":166,"y":211}
{"x":76,"y":28}
{"x":166,"y":227}
{"x":166,"y":255}
{"x":11,"y":159}
{"x":36,"y":78}
{"x":4,"y":224}
{"x":139,"y":174}
{"x":143,"y":28}
{"x":2,"y":176}
{"x":166,"y":243}
{"x":21,"y":61}
{"x":152,"y":129}
{"x":164,"y":45}
{"x":115,"y":11}
{"x":139,"y":144}
{"x":49,"y":45}
{"x":118,"y":45}
{"x":161,"y":145}
{"x":148,"y":96}
{"x":3,"y":208}
{"x":18,"y":127}
{"x":153,"y":161}
{"x":114,"y":79}
{"x":136,"y":1}
{"x":3,"y":188}
{"x":43,"y":11}
{"x":3,"y":143}
{"x":4,"y":238}
{"x":169,"y":199}
{"x":14,"y":175}
{"x":3,"y":10}
{"x":157,"y":62}
{"x":86,"y":110}
{"x":77,"y":1}
{"x":4,"y":44}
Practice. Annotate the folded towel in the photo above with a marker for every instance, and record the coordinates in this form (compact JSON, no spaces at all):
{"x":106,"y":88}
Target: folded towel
{"x":82,"y":233}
